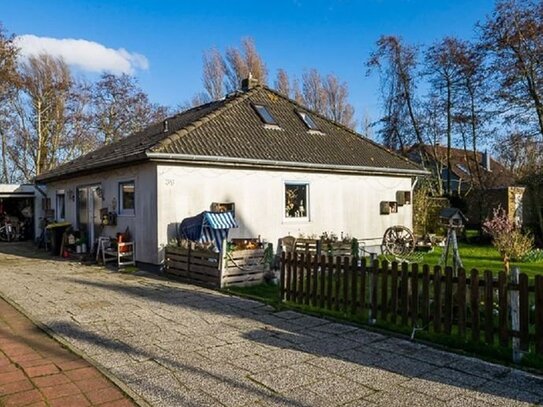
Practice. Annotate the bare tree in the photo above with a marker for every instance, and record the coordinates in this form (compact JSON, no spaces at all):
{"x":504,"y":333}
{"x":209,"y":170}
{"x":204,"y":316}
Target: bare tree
{"x":9,"y":80}
{"x":473,"y":112}
{"x":338,"y":107}
{"x":297,"y":94}
{"x":444,"y":71}
{"x":239,"y":63}
{"x":49,"y":121}
{"x":40,"y":107}
{"x":520,"y":153}
{"x":121,"y":107}
{"x":514,"y":34}
{"x":214,"y":72}
{"x":397,"y":65}
{"x":282,"y":83}
{"x":313,"y":91}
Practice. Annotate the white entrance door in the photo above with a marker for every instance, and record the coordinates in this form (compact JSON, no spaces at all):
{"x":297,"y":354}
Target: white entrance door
{"x":89,"y":203}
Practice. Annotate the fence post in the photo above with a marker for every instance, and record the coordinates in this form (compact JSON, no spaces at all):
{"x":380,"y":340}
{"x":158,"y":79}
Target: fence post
{"x":373,"y":292}
{"x":222,"y":263}
{"x":282,"y":277}
{"x":515,"y":319}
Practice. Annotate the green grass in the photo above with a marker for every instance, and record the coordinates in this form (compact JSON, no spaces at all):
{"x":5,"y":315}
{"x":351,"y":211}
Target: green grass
{"x":482,"y":258}
{"x":268,"y":293}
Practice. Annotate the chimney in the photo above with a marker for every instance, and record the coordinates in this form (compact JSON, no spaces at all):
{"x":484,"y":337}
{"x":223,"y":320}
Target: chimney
{"x":165,"y":126}
{"x":248,"y":83}
{"x":486,"y":161}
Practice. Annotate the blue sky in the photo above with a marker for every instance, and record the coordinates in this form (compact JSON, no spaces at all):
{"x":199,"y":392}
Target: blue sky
{"x":164,"y":40}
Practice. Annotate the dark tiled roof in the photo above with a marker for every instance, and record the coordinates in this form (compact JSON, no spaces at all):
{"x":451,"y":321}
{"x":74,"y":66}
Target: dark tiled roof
{"x":132,"y":148}
{"x":231,"y":128}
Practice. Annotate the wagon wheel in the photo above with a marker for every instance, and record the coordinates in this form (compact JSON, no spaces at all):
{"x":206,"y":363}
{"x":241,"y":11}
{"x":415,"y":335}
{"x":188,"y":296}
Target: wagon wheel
{"x":398,"y":242}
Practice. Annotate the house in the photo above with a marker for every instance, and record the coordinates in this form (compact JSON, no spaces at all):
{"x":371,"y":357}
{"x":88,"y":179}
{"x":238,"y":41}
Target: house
{"x":482,"y":182}
{"x":282,"y":169}
{"x":468,"y":170}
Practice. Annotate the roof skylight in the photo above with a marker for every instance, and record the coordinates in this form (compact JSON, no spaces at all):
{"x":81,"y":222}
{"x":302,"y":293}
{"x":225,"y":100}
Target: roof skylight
{"x":264,"y":114}
{"x":463,"y":168}
{"x":308,"y":120}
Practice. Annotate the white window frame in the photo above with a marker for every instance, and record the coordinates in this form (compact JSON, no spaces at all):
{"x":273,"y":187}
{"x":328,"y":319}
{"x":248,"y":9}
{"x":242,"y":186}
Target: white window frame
{"x":307,"y":199}
{"x":60,"y":193}
{"x":122,"y":210}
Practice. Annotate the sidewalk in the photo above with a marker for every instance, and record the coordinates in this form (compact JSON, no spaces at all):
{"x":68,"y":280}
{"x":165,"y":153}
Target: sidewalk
{"x":37,"y":371}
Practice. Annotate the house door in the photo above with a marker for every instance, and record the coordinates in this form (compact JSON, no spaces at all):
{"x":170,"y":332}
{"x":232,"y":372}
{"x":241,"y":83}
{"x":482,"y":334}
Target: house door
{"x":89,"y":204}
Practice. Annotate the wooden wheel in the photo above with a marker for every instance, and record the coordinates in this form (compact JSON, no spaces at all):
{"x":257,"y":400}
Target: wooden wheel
{"x":398,"y":241}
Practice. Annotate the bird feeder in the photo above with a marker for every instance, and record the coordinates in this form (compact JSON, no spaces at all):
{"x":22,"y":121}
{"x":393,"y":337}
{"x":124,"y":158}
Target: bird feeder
{"x":452,"y":218}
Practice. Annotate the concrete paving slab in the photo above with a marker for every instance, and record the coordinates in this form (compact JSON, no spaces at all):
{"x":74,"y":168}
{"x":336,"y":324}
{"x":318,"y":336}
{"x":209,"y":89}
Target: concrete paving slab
{"x":173,"y":344}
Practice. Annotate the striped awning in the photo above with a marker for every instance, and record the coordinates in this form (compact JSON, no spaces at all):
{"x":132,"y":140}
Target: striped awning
{"x":208,"y":227}
{"x":220,"y":220}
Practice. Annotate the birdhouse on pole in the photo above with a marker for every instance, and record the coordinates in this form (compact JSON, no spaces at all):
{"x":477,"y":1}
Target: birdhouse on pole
{"x":452,"y":218}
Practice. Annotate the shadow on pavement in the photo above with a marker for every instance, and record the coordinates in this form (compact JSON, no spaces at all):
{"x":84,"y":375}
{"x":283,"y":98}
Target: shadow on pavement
{"x":378,"y":355}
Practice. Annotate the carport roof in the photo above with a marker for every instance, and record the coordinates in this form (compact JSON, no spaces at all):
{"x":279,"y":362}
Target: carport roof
{"x":17,"y":191}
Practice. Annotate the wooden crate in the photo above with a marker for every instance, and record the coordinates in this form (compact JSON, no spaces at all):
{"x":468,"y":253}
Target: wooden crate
{"x":307,"y":246}
{"x":339,"y":249}
{"x":194,"y":266}
{"x":243,"y":267}
{"x":239,"y":268}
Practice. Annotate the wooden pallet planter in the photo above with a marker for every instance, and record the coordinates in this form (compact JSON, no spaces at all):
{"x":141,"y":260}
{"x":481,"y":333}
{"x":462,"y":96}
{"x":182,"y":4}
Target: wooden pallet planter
{"x":317,"y":247}
{"x":337,"y":249}
{"x":194,"y":266}
{"x":243,"y":267}
{"x":239,"y":268}
{"x":307,"y":246}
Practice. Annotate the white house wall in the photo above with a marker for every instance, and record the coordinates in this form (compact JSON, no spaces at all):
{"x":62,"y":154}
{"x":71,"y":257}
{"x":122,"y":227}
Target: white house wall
{"x":142,"y":225}
{"x":345,"y":204}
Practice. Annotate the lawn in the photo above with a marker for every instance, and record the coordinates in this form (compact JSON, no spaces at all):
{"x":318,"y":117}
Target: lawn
{"x":483,"y":258}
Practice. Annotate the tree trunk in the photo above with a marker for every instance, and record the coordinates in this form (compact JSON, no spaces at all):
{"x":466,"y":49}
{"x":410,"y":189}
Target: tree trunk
{"x":449,"y":134}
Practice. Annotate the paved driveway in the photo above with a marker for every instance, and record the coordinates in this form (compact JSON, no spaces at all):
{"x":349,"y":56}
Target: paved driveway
{"x":172,"y":344}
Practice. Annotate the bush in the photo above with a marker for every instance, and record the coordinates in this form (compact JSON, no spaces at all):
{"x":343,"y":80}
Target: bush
{"x":507,"y":237}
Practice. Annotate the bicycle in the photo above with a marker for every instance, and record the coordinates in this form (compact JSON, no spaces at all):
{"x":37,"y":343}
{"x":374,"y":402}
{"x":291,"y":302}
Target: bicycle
{"x":7,"y":232}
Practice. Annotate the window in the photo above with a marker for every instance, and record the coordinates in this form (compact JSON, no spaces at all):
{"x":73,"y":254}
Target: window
{"x":308,"y":120}
{"x":463,"y":168}
{"x":264,"y":114}
{"x":127,"y":198}
{"x":296,"y":200}
{"x":61,"y":206}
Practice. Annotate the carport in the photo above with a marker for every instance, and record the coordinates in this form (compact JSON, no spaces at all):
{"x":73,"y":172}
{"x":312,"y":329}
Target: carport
{"x":23,"y":201}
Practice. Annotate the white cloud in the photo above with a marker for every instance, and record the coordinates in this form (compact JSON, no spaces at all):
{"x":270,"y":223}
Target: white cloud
{"x":86,"y":55}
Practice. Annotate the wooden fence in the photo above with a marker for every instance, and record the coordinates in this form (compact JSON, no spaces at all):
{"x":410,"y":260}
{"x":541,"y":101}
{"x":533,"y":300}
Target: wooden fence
{"x":472,"y":306}
{"x":239,"y":268}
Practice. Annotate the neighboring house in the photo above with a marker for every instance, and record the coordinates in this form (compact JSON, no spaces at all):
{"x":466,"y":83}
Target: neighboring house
{"x":280,"y":167}
{"x":468,"y":170}
{"x":481,"y":181}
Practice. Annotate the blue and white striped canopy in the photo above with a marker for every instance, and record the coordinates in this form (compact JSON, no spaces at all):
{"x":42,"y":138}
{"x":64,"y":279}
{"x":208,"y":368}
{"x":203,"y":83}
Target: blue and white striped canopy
{"x":220,"y":220}
{"x":208,"y":227}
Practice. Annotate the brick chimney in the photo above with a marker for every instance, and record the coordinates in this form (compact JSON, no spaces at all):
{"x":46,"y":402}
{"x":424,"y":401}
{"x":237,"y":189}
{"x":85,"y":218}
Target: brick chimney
{"x":248,"y":83}
{"x":485,"y":158}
